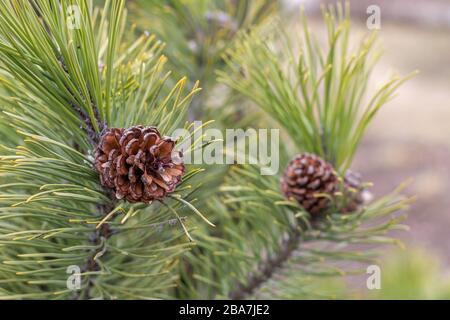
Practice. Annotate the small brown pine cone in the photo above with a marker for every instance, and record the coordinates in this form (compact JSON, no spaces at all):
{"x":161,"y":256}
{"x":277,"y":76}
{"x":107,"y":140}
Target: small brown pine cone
{"x":305,"y":177}
{"x":137,"y":164}
{"x":353,"y":192}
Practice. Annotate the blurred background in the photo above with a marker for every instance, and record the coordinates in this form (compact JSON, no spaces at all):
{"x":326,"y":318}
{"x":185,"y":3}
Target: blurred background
{"x":409,"y":139}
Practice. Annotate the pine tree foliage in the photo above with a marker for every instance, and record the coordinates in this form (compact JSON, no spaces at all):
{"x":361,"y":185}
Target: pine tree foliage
{"x":319,"y":95}
{"x":266,"y":246}
{"x":197,"y":34}
{"x":61,"y":87}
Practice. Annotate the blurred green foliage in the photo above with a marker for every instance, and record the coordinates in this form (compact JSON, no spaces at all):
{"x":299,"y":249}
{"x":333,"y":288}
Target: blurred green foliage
{"x":412,"y":274}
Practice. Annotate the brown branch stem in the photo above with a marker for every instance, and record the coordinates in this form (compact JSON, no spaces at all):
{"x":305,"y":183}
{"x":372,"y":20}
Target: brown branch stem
{"x":98,"y":237}
{"x":267,"y":267}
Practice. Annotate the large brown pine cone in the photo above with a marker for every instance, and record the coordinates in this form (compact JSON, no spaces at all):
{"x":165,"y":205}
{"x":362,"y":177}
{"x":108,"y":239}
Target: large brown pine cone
{"x":138,"y":164}
{"x":305,"y":178}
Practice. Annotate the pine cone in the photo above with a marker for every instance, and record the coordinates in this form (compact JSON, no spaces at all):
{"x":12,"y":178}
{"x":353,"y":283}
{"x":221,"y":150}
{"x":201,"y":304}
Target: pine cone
{"x":354,"y":192}
{"x":306,"y":176}
{"x":137,"y":163}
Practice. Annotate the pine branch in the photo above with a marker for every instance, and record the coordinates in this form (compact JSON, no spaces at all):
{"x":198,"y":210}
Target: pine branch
{"x":99,"y":236}
{"x":54,"y":213}
{"x":208,"y":29}
{"x":93,"y":135}
{"x":253,"y":216}
{"x":267,"y":267}
{"x":318,"y":96}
